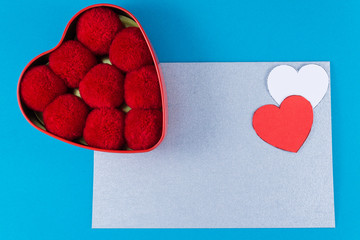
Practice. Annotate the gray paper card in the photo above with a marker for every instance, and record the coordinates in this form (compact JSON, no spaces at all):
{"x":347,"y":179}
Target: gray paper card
{"x":212,"y":170}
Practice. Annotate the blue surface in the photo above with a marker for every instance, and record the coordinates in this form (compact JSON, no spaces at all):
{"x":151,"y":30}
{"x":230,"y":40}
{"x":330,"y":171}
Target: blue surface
{"x":46,"y":185}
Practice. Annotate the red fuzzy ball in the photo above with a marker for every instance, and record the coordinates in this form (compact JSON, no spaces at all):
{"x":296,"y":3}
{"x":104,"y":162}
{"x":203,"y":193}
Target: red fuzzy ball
{"x":143,"y":128}
{"x":40,"y":86}
{"x":142,"y":89}
{"x":96,"y":28}
{"x":66,"y":116}
{"x":129,"y":50}
{"x":71,"y":61}
{"x":103,"y":86}
{"x":104,"y":128}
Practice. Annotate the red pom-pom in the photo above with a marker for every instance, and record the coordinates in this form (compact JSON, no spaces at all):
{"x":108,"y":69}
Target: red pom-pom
{"x":40,"y":86}
{"x":142,"y":89}
{"x":97,"y":28}
{"x":66,"y":116}
{"x":129,"y":50}
{"x":71,"y":61}
{"x":143,"y":128}
{"x":103,"y":86}
{"x":104,"y":128}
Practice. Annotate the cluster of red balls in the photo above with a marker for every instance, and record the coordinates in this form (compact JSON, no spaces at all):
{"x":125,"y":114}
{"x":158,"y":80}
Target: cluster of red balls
{"x":97,"y":115}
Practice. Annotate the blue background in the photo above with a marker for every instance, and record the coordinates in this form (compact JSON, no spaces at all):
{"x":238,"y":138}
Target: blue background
{"x":46,"y":185}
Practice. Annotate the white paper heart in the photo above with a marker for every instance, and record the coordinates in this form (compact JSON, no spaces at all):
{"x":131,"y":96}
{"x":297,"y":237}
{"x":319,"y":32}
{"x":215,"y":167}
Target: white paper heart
{"x":311,"y":82}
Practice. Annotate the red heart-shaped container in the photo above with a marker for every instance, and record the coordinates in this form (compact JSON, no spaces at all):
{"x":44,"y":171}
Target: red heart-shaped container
{"x":69,"y":33}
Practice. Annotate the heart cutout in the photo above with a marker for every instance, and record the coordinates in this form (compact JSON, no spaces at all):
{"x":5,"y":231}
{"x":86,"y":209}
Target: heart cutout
{"x":128,"y":20}
{"x":311,"y":82}
{"x":285,"y":127}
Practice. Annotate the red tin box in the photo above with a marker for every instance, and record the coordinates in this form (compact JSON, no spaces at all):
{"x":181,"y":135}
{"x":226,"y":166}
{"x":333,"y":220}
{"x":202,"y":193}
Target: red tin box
{"x":69,"y":33}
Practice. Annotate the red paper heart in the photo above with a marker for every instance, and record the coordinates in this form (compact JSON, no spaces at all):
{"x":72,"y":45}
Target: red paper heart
{"x":285,"y":127}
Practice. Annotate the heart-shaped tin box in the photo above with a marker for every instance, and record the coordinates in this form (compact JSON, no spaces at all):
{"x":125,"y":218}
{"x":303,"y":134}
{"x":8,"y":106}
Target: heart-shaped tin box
{"x":35,"y":118}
